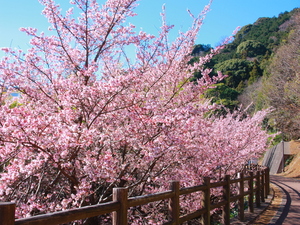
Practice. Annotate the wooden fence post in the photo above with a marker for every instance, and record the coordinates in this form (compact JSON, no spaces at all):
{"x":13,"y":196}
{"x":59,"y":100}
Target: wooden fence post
{"x":7,"y":213}
{"x":241,"y":206}
{"x":226,"y":196}
{"x":120,"y":195}
{"x":174,"y":206}
{"x":267,"y":181}
{"x":257,"y":194}
{"x":263,"y":186}
{"x":206,"y":201}
{"x":250,"y":188}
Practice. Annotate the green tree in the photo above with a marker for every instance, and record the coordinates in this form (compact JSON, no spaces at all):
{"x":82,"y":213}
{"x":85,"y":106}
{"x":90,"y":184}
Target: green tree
{"x":251,"y":48}
{"x":255,"y":73}
{"x":236,"y":69}
{"x":201,"y":49}
{"x":223,"y":95}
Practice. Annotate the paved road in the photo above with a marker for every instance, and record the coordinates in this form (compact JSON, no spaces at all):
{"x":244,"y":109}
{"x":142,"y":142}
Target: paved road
{"x":289,"y":212}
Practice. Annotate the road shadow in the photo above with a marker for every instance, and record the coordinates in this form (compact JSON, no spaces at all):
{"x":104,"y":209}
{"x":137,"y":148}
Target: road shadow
{"x":295,"y":210}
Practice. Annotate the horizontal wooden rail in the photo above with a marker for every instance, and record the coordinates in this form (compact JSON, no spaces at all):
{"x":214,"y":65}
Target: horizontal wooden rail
{"x":145,"y":199}
{"x":189,"y":190}
{"x":257,"y":185}
{"x":70,"y":215}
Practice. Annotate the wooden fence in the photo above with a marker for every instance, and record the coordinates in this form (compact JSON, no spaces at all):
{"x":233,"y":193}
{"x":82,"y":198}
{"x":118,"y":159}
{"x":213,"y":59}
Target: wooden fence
{"x":257,"y":188}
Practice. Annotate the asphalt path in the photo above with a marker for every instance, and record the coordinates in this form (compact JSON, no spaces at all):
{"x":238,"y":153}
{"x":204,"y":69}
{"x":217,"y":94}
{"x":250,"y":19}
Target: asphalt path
{"x":289,"y":211}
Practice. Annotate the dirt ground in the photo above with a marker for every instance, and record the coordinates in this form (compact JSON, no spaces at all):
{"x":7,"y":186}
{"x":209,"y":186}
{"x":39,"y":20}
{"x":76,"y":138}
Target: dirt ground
{"x":272,"y":209}
{"x":293,"y":169}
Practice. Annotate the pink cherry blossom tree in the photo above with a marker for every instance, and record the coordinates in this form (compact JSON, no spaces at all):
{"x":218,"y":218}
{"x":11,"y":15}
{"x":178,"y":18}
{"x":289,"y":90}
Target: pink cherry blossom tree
{"x":89,"y":118}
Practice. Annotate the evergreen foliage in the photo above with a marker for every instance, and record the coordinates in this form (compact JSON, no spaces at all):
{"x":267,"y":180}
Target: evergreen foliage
{"x":245,"y":60}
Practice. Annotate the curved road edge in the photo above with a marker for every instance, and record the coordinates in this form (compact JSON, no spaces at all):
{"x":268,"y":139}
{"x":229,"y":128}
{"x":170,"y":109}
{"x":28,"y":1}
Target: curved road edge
{"x":285,"y":208}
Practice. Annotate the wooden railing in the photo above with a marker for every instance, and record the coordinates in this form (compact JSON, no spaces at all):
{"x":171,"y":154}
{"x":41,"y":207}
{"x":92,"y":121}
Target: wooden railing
{"x":257,"y":188}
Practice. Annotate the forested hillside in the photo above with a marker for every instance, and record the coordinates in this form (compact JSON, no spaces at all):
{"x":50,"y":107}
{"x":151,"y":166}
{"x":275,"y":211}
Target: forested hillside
{"x":262,"y":64}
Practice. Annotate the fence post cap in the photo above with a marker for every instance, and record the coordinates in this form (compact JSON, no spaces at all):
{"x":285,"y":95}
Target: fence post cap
{"x":7,"y":203}
{"x":120,"y":188}
{"x":227,"y":176}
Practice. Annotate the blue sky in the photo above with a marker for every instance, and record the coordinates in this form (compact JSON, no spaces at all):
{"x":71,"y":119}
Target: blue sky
{"x":223,"y":18}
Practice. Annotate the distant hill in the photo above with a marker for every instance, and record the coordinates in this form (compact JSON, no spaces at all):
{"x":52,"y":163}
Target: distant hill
{"x":250,"y":59}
